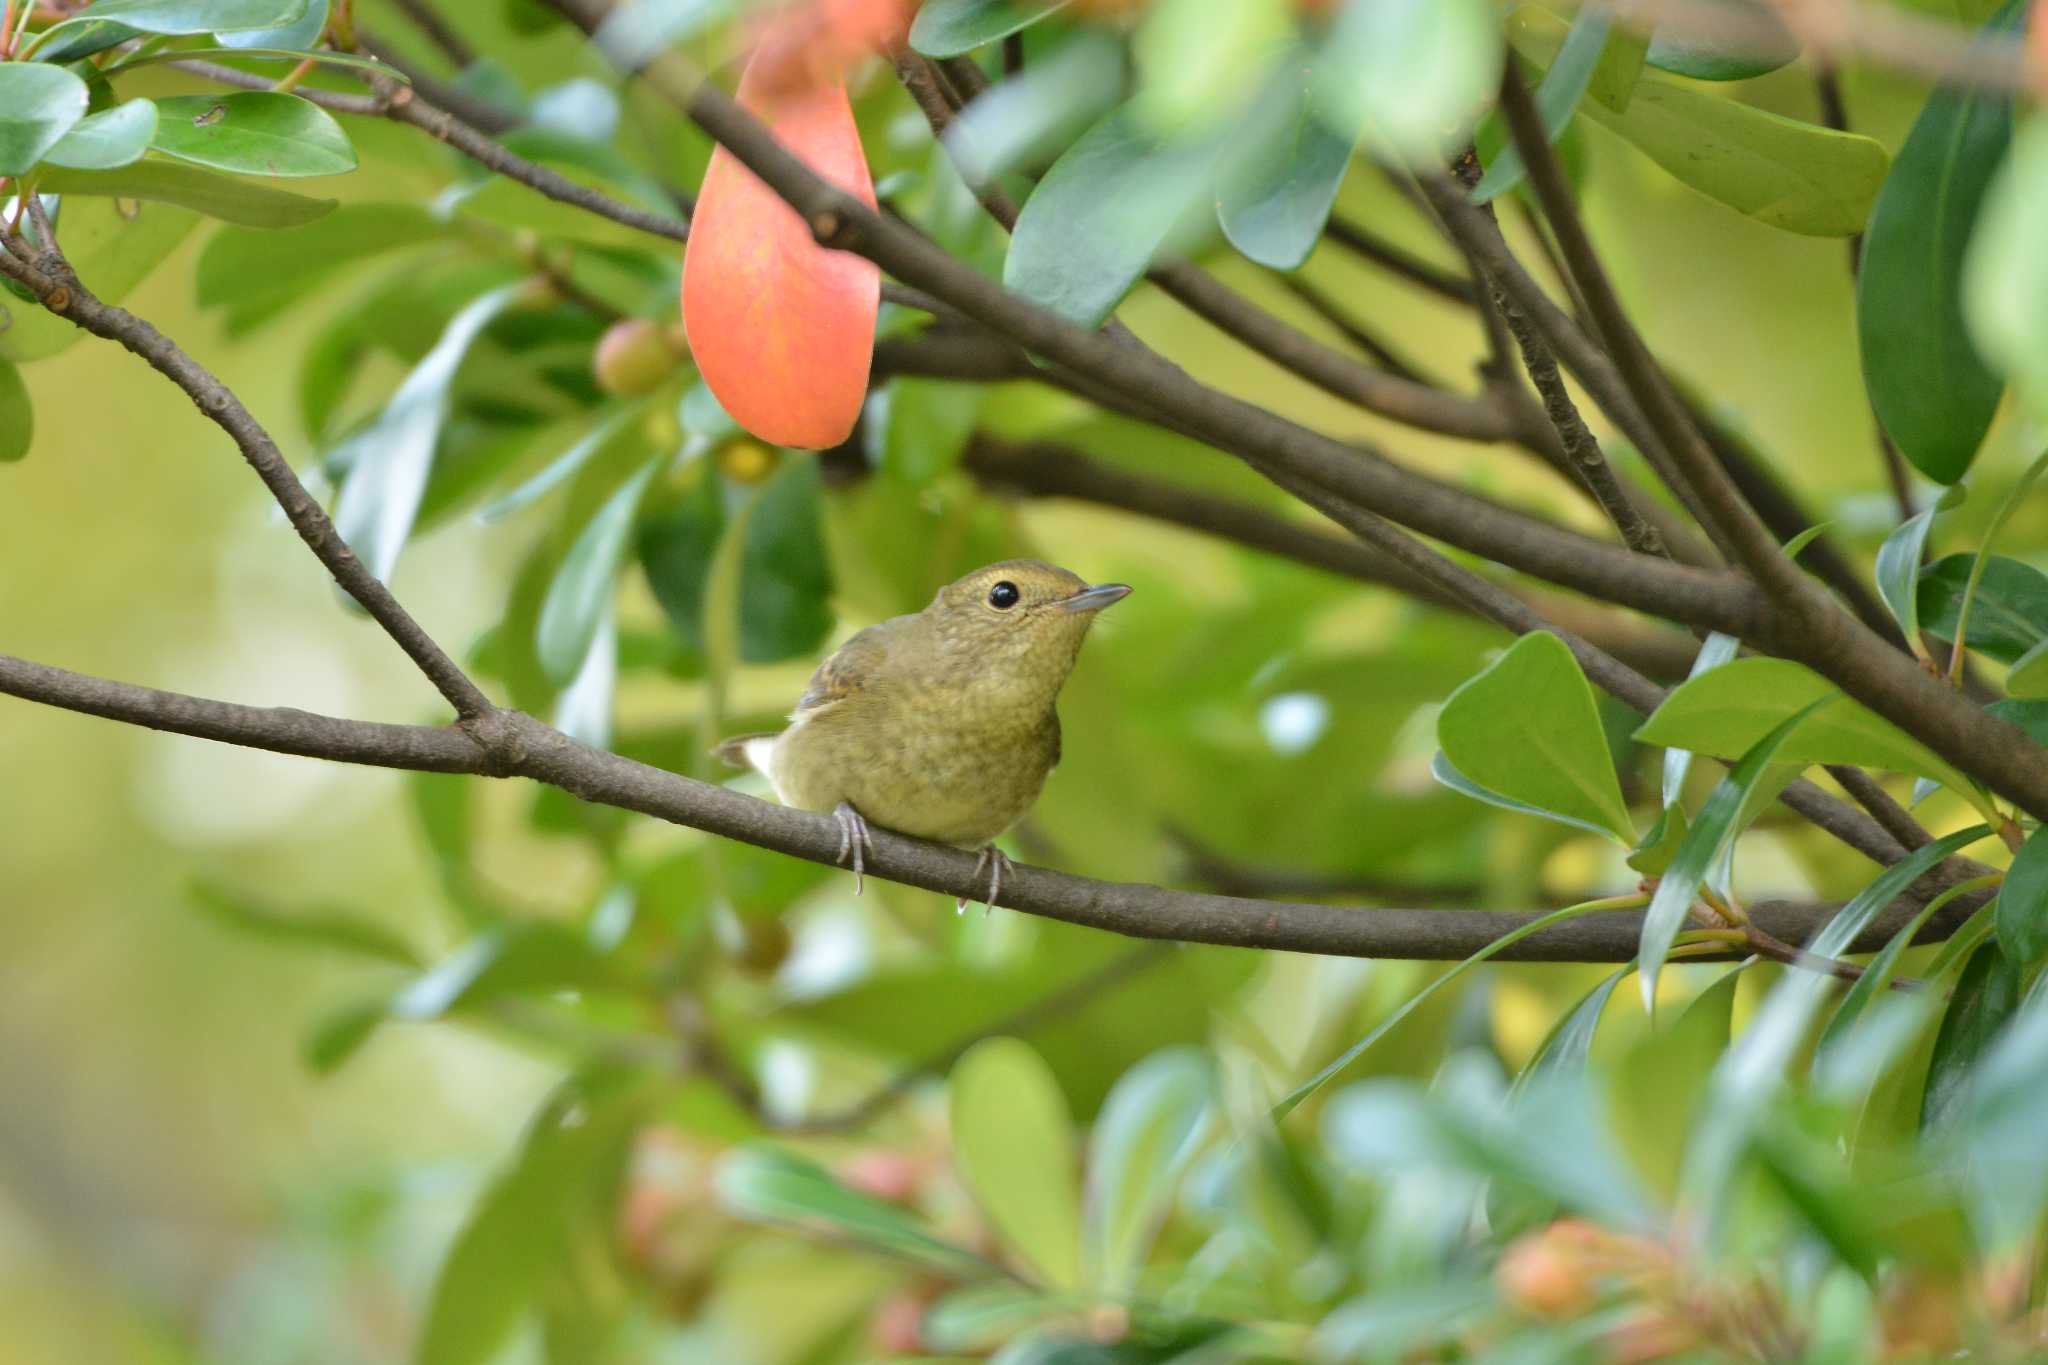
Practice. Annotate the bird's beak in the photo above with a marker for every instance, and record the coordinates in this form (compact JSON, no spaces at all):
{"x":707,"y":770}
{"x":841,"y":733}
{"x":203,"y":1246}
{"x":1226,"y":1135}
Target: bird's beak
{"x":1095,"y":598}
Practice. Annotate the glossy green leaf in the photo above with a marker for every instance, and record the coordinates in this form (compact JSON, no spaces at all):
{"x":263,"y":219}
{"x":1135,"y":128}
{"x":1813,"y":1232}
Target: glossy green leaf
{"x":2008,"y":611}
{"x":1717,"y":649}
{"x":114,"y":137}
{"x":196,"y":16}
{"x":1279,"y":180}
{"x":1801,"y":177}
{"x":583,"y":589}
{"x":73,"y":39}
{"x":1705,"y":58}
{"x":1114,"y":202}
{"x":115,"y":246}
{"x":1655,"y":850}
{"x":1013,"y":1145}
{"x":253,"y":132}
{"x":1557,"y":98}
{"x":1719,"y":822}
{"x":950,"y":28}
{"x":772,"y":1185}
{"x":391,"y":458}
{"x":1350,"y":1054}
{"x":559,"y":470}
{"x":2023,"y":904}
{"x":1877,"y":975}
{"x":1411,"y":73}
{"x":1527,"y":728}
{"x":1999,"y":1121}
{"x":1730,"y":709}
{"x":1898,"y":572}
{"x":38,"y":105}
{"x":560,"y":1190}
{"x":330,"y":929}
{"x":216,"y":196}
{"x":1038,"y":112}
{"x":1984,"y":999}
{"x":1932,"y":391}
{"x":1150,"y":1128}
{"x":17,"y":415}
{"x":302,"y":33}
{"x":1440,"y":769}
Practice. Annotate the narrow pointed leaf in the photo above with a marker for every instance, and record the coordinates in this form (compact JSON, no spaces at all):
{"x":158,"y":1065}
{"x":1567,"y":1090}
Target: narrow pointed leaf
{"x":2008,"y":610}
{"x":2023,"y":904}
{"x":1563,"y":86}
{"x":1710,"y":833}
{"x":582,"y":591}
{"x":1898,"y":572}
{"x":39,"y":104}
{"x":771,"y":1185}
{"x":1717,"y":649}
{"x":1150,"y":1128}
{"x":1569,"y":1045}
{"x":1985,"y":997}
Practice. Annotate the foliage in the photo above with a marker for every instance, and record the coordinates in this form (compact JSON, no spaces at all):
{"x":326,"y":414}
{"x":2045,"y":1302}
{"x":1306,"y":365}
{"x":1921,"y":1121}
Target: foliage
{"x":1006,"y":1137}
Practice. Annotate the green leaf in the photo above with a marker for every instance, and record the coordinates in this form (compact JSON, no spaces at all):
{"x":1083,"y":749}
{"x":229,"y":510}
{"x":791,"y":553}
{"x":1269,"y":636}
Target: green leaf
{"x":923,"y":426}
{"x":255,"y":132}
{"x":194,"y":16}
{"x":216,"y":196}
{"x":1281,"y":177}
{"x":301,"y":34}
{"x":2023,"y":904}
{"x":562,"y":1188}
{"x":1898,"y":572}
{"x":1933,"y":393}
{"x":1154,"y":1121}
{"x":1877,"y":975}
{"x":380,"y":498}
{"x":1114,"y":201}
{"x":770,"y":1185}
{"x":1527,"y":728}
{"x":564,"y":466}
{"x":1035,"y":114}
{"x":74,"y":39}
{"x":113,"y":245}
{"x":2002,"y":1115}
{"x":1199,"y":63}
{"x":1013,"y":1144}
{"x":2005,"y":279}
{"x":113,"y":137}
{"x":1792,"y":175}
{"x":329,"y":929}
{"x":2029,"y":674}
{"x":1707,"y":58}
{"x":1715,"y":650}
{"x":1730,"y":709}
{"x":1350,"y":1054}
{"x":1569,"y":1045}
{"x":1719,"y":822}
{"x":1440,"y":768}
{"x":1564,"y":85}
{"x":38,"y":105}
{"x":1985,"y":997}
{"x":17,"y":415}
{"x":583,"y":588}
{"x":1655,"y":850}
{"x":1412,"y":73}
{"x":253,"y":271}
{"x":951,"y":28}
{"x":2008,"y":612}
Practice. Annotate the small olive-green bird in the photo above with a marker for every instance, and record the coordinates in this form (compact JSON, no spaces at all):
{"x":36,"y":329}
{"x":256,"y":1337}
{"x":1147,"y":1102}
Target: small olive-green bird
{"x":940,"y":724}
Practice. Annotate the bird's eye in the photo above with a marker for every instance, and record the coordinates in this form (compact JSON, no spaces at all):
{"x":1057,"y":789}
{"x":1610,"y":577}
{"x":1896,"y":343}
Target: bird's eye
{"x":1003,"y":595}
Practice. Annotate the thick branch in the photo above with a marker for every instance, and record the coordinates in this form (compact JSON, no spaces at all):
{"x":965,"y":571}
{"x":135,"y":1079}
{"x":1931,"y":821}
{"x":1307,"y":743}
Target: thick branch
{"x":519,"y":745}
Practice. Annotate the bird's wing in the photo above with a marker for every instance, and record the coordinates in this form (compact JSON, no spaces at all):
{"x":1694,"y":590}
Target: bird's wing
{"x":852,"y":669}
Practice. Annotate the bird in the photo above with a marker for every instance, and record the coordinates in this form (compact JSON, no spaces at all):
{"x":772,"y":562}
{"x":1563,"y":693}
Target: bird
{"x":941,"y":724}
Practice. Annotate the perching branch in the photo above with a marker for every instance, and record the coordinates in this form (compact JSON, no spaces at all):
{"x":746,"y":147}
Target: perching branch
{"x":517,"y":745}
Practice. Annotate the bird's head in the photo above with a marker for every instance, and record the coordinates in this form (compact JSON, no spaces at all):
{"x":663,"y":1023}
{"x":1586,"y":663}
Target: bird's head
{"x":1021,"y":617}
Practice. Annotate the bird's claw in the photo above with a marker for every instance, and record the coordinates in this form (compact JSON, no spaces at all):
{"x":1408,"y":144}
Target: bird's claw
{"x":997,"y":862}
{"x":854,"y":839}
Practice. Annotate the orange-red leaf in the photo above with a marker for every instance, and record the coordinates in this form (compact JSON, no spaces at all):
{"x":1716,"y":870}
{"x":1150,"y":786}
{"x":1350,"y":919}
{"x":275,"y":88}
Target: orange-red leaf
{"x":782,"y":329}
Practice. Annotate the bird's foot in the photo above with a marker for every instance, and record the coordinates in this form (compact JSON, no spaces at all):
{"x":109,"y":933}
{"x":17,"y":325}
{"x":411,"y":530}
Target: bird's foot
{"x":997,"y":862}
{"x":854,"y":841}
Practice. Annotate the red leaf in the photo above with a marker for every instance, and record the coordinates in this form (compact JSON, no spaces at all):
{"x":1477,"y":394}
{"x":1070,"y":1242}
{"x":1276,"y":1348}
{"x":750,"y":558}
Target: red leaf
{"x":782,"y":329}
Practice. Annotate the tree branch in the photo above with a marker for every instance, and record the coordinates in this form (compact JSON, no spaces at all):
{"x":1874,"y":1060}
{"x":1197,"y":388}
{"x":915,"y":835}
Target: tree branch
{"x":517,"y":745}
{"x":49,"y":276}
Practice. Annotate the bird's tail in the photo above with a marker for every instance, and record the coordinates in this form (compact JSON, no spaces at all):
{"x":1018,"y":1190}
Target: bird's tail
{"x":746,"y":751}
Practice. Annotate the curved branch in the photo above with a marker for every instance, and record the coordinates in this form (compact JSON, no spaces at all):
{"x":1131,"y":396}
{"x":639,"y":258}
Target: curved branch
{"x":518,"y":745}
{"x":50,"y":277}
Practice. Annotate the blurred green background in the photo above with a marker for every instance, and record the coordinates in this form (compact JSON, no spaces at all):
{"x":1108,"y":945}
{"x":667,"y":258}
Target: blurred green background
{"x":175,"y":1184}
